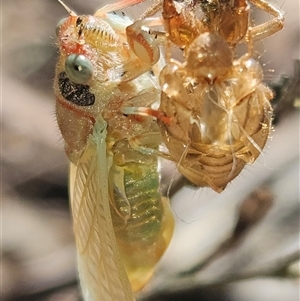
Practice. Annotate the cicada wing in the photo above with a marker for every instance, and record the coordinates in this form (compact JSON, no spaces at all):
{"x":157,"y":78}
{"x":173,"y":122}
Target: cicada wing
{"x":101,"y":271}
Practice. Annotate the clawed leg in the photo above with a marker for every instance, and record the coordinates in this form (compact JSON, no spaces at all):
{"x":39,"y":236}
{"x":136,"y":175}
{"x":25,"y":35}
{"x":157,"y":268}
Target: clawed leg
{"x":142,"y":42}
{"x":145,"y":111}
{"x":268,"y":28}
{"x":142,"y":144}
{"x":101,"y":12}
{"x":153,"y":9}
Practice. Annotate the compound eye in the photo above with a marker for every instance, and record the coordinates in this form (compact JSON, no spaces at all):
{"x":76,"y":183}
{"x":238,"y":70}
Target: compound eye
{"x":79,"y":69}
{"x":58,"y":26}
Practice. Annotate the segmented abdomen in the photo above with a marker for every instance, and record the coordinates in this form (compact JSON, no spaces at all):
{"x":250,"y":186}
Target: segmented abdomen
{"x":218,"y":128}
{"x":146,"y":232}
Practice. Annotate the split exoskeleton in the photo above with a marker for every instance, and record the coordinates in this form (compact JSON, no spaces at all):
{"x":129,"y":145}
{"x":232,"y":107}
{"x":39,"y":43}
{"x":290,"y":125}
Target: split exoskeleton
{"x":215,"y":113}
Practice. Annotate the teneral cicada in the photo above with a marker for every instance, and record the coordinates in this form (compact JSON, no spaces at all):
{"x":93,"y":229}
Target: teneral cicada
{"x":122,"y":224}
{"x":215,"y":112}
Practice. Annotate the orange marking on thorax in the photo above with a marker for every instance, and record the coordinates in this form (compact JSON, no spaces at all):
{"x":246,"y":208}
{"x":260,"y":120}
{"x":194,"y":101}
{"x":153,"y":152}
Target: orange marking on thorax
{"x":74,"y":109}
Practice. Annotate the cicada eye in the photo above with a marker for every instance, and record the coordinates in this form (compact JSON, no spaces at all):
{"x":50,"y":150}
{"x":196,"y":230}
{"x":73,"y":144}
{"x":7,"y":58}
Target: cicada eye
{"x":58,"y":26}
{"x":78,"y":68}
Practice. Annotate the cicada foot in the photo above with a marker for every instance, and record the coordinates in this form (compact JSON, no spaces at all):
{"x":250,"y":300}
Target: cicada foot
{"x":142,"y":42}
{"x":145,"y":111}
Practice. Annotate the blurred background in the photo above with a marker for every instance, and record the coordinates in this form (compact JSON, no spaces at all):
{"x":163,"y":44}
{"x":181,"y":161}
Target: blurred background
{"x":240,"y":245}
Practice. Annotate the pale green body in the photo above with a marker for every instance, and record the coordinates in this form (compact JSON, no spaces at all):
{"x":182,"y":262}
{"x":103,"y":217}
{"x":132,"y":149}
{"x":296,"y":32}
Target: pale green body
{"x":122,"y":224}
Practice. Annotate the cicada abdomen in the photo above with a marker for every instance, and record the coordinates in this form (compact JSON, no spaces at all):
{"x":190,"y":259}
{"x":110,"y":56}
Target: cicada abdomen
{"x":122,"y":224}
{"x":142,"y":219}
{"x":215,"y":128}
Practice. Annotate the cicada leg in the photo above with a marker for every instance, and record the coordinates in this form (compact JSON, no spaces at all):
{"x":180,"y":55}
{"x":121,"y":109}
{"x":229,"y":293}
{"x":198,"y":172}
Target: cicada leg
{"x":151,"y":10}
{"x":145,"y":111}
{"x":268,"y":28}
{"x":142,"y":43}
{"x":101,"y":12}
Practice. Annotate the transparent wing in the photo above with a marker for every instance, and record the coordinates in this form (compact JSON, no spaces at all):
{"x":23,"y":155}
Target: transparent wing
{"x":101,"y":271}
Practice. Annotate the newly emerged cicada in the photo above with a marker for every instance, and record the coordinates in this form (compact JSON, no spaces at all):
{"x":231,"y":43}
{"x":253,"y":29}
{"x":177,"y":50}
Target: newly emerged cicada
{"x":122,"y":224}
{"x":215,"y":113}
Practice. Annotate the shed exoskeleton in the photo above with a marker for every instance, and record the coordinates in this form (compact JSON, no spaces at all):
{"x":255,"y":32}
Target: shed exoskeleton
{"x":215,"y":113}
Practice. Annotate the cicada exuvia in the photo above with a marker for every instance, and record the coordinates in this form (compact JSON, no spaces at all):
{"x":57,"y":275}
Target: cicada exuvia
{"x":215,"y":113}
{"x":122,"y":224}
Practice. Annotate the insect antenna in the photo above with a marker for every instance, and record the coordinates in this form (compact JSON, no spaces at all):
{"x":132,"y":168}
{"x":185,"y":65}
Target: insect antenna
{"x":71,"y":13}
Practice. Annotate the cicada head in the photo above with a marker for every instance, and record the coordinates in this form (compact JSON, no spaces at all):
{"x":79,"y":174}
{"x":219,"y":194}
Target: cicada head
{"x":91,"y":56}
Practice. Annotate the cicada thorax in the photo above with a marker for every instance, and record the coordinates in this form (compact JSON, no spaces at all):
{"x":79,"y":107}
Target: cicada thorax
{"x":220,"y":117}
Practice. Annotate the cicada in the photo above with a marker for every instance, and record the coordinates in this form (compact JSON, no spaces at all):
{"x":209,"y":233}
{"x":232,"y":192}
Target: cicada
{"x":122,"y":224}
{"x":215,"y":113}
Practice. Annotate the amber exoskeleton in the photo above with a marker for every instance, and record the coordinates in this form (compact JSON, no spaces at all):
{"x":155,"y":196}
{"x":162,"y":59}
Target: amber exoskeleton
{"x":215,"y":113}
